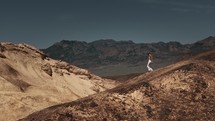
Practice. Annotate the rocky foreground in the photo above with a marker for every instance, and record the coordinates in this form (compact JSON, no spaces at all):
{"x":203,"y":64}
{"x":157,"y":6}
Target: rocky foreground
{"x":184,"y":91}
{"x":31,"y":81}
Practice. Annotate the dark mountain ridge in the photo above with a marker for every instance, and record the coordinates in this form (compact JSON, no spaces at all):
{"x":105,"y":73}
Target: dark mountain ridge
{"x":103,"y":55}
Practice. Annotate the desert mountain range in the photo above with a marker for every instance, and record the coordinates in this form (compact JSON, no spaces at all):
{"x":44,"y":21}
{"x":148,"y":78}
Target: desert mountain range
{"x":184,"y":91}
{"x":31,"y":81}
{"x":108,"y":57}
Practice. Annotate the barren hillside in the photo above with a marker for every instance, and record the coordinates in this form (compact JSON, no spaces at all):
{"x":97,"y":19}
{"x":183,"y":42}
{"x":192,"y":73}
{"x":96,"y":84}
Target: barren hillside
{"x":31,"y":81}
{"x":184,"y":91}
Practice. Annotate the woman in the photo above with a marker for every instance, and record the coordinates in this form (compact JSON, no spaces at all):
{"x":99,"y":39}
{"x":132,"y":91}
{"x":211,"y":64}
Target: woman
{"x":149,"y":62}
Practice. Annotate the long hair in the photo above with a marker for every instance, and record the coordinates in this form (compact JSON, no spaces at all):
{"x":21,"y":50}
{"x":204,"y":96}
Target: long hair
{"x":149,"y":55}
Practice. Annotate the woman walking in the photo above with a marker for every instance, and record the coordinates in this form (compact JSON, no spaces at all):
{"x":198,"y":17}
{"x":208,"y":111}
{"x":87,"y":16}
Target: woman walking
{"x":149,"y":62}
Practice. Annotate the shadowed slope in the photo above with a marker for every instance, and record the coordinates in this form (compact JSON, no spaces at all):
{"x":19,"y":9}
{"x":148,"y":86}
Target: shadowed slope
{"x":13,"y":76}
{"x":182,"y":91}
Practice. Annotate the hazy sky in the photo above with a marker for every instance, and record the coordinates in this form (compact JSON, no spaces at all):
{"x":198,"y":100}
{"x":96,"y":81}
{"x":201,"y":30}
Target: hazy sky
{"x":44,"y":22}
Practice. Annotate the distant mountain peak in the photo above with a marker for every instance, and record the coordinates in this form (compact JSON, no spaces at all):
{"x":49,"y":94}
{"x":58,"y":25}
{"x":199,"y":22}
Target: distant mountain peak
{"x":103,"y":41}
{"x":208,"y":42}
{"x":112,"y":41}
{"x":211,"y":37}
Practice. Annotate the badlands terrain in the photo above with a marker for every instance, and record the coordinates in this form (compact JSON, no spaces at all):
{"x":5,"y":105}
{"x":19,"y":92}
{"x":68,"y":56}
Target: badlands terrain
{"x":31,"y":81}
{"x":184,"y":91}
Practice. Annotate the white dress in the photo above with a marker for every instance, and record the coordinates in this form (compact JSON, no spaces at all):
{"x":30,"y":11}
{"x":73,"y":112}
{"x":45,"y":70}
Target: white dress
{"x":149,"y":68}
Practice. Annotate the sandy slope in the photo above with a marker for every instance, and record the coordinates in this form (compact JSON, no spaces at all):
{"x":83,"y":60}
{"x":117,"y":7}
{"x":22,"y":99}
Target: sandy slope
{"x":184,"y":91}
{"x":31,"y":81}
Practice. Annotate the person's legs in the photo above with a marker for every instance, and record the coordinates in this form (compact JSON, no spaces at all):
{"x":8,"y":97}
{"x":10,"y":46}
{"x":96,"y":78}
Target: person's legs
{"x":149,"y":68}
